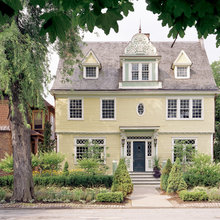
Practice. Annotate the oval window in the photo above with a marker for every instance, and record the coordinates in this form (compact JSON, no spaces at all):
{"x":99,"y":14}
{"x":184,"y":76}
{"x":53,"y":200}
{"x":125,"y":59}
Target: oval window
{"x":140,"y":109}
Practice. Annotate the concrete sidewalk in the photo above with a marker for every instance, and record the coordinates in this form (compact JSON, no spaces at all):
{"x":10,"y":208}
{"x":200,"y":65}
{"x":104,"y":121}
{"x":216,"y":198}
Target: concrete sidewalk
{"x":148,"y":196}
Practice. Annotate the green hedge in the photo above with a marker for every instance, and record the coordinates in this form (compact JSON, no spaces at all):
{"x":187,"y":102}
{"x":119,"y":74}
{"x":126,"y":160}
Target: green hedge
{"x":110,"y":197}
{"x":62,"y":180}
{"x":193,"y":195}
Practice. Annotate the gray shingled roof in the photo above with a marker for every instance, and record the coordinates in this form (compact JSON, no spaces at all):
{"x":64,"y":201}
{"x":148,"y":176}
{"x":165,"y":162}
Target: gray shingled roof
{"x":108,"y":54}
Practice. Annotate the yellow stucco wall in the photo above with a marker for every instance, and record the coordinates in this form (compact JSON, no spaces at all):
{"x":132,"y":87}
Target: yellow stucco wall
{"x":126,"y":115}
{"x":182,"y":59}
{"x":90,"y":59}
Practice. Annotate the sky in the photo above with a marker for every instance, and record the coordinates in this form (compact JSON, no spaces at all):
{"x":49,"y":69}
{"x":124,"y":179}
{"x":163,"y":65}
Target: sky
{"x":129,"y":26}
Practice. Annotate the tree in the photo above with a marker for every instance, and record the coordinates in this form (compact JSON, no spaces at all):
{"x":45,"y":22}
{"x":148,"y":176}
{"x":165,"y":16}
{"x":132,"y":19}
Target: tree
{"x":216,"y":72}
{"x":25,"y":27}
{"x":204,"y":15}
{"x":59,"y":15}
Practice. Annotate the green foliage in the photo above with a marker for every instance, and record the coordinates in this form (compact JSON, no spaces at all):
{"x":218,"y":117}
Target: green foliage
{"x":49,"y":144}
{"x":175,"y":180}
{"x":6,"y":181}
{"x":90,"y":165}
{"x":6,"y":164}
{"x":55,"y":194}
{"x":217,"y":140}
{"x":92,"y":160}
{"x":121,"y":180}
{"x":116,"y":197}
{"x":182,"y":185}
{"x":50,"y":161}
{"x":193,"y":195}
{"x":165,"y":175}
{"x":157,"y":163}
{"x":35,"y":162}
{"x":2,"y":194}
{"x":214,"y":194}
{"x":178,"y":15}
{"x":65,"y":169}
{"x":202,"y":172}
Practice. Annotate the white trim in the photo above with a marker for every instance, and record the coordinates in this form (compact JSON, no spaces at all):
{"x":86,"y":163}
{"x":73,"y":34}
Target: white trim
{"x":90,"y":140}
{"x":68,"y":111}
{"x":182,"y":138}
{"x":130,"y":93}
{"x":93,"y":54}
{"x":84,"y":72}
{"x":108,"y":98}
{"x":159,"y":86}
{"x":190,"y":108}
{"x":175,"y":63}
{"x":143,"y":109}
{"x":123,"y":72}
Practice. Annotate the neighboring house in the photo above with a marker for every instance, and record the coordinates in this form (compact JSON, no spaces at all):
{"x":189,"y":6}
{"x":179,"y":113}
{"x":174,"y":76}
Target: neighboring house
{"x":39,"y":117}
{"x":136,"y":100}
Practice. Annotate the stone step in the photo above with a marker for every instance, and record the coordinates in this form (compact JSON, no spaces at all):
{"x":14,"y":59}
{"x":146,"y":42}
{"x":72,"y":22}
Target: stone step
{"x":146,"y":179}
{"x":147,"y":183}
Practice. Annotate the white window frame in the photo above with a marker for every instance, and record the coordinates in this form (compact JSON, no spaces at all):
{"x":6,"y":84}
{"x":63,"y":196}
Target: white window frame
{"x":107,"y":119}
{"x":140,"y":70}
{"x":182,"y":138}
{"x":68,"y":112}
{"x":90,"y":141}
{"x":84,"y":72}
{"x":137,"y":109}
{"x":182,"y":77}
{"x":190,"y":108}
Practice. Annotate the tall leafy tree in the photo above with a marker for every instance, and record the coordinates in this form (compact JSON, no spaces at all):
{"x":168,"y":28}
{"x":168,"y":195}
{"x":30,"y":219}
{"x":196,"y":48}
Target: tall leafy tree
{"x":27,"y":28}
{"x":216,"y":72}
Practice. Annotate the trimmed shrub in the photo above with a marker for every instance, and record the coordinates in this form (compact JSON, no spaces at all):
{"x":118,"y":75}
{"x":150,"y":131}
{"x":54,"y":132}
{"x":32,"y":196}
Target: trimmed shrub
{"x":193,"y":195}
{"x":175,"y":180}
{"x":121,"y":179}
{"x":65,"y":169}
{"x":182,"y":185}
{"x":165,"y":175}
{"x":62,"y":180}
{"x":116,"y":197}
{"x":202,"y":172}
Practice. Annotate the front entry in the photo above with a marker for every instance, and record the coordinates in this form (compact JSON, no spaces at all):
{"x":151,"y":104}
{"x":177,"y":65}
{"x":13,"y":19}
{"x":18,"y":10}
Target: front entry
{"x":139,"y":156}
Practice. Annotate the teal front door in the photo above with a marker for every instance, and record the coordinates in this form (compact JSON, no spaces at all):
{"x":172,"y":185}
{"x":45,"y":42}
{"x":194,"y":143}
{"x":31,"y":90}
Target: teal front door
{"x":139,"y":156}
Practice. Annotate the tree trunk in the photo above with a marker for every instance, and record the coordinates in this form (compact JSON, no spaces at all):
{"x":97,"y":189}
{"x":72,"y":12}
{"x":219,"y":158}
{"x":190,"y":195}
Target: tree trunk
{"x":21,"y":135}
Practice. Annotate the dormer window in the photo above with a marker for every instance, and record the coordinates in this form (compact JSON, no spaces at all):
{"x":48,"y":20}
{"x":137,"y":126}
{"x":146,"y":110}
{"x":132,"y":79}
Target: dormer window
{"x":140,"y":71}
{"x":182,"y":66}
{"x":91,"y":72}
{"x":91,"y":66}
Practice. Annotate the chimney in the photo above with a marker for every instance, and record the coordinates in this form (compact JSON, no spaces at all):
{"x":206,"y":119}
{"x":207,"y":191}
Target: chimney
{"x":201,"y":41}
{"x":148,"y":35}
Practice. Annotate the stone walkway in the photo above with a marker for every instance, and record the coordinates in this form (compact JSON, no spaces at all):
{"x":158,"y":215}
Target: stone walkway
{"x":148,"y":196}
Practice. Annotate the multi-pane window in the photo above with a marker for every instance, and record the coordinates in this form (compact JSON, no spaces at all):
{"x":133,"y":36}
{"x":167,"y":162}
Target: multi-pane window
{"x":38,"y":120}
{"x":197,"y":108}
{"x":75,"y":109}
{"x":149,"y":148}
{"x":140,"y":71}
{"x":91,"y":72}
{"x":140,"y":109}
{"x":145,"y":71}
{"x":186,"y":108}
{"x":184,"y":148}
{"x":90,"y":147}
{"x":134,"y":71}
{"x":181,"y":71}
{"x":172,"y":108}
{"x":108,"y":109}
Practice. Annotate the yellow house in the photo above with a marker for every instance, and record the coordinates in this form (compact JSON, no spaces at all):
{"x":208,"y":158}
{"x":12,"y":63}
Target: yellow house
{"x":136,"y":100}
